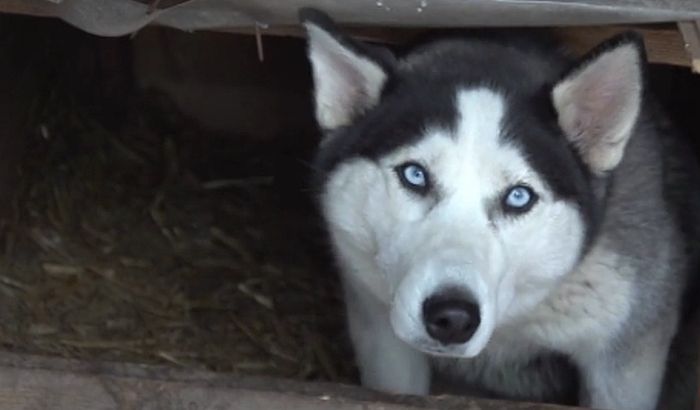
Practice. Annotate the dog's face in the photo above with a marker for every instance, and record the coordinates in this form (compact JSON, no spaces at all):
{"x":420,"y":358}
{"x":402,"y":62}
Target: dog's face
{"x":460,"y":196}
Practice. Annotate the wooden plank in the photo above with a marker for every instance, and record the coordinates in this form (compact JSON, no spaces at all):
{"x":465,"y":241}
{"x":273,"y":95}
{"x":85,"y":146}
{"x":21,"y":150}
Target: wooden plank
{"x":37,"y":383}
{"x":691,"y":35}
{"x":31,"y":8}
{"x":665,"y":45}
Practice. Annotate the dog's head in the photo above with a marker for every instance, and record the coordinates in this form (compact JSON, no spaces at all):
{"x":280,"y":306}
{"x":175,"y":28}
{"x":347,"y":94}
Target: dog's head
{"x":463,"y":181}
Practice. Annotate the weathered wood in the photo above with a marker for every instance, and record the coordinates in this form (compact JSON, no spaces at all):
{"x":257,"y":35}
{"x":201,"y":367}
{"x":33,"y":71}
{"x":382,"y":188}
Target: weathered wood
{"x":691,"y":35}
{"x":664,"y":45}
{"x":30,"y":382}
{"x":30,"y":8}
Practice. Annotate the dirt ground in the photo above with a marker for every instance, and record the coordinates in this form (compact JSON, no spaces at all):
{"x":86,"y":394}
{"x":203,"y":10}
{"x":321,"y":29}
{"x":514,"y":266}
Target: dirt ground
{"x":147,"y":239}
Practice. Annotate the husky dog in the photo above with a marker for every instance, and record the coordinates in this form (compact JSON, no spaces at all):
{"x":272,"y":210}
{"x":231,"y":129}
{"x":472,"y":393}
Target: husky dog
{"x":504,"y":216}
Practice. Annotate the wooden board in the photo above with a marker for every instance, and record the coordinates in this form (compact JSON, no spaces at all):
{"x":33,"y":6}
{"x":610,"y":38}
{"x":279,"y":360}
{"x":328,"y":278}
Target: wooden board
{"x":665,"y":44}
{"x":36,"y":383}
{"x":26,"y":7}
{"x":691,"y":35}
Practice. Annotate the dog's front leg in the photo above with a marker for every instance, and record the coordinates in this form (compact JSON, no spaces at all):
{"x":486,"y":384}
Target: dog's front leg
{"x":386,"y":363}
{"x":625,"y":381}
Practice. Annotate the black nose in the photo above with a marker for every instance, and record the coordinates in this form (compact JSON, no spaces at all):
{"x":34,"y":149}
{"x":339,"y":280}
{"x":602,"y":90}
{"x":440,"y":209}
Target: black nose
{"x":451,"y":317}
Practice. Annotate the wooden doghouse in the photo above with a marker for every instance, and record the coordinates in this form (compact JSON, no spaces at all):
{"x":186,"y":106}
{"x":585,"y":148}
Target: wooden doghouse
{"x":671,"y":29}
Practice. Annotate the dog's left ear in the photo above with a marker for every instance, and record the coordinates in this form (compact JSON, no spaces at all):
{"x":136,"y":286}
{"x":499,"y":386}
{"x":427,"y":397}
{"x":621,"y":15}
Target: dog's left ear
{"x":598,"y":102}
{"x":348,"y":75}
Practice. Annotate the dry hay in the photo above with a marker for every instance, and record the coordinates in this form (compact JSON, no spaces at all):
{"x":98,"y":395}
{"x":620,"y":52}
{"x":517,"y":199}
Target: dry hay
{"x":120,"y":250}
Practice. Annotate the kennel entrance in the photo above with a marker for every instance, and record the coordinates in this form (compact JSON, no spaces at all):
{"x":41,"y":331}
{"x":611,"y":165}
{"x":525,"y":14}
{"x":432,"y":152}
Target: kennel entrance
{"x":170,"y":226}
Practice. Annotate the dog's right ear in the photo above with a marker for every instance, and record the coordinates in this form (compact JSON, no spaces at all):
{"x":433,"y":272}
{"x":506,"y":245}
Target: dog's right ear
{"x":348,"y":76}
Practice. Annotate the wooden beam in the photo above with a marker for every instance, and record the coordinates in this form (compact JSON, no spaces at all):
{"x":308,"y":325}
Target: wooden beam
{"x":31,"y":8}
{"x":665,"y":45}
{"x":691,"y":35}
{"x":57,"y":384}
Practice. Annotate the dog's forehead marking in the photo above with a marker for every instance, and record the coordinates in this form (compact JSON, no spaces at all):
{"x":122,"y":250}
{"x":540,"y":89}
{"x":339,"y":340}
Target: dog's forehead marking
{"x":471,"y":161}
{"x":473,"y":154}
{"x":479,"y":135}
{"x":474,"y":158}
{"x":480,"y":116}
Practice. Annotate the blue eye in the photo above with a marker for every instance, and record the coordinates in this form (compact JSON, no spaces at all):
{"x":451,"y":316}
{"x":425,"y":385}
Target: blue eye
{"x":413,"y":176}
{"x":519,"y":198}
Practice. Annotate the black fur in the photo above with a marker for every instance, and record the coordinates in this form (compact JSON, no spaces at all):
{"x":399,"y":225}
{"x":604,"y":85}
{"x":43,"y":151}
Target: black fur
{"x":524,"y":68}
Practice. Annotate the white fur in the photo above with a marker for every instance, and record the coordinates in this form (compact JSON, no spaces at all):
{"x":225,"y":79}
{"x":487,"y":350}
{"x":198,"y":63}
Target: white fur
{"x":386,"y":363}
{"x":635,"y":386}
{"x":345,"y":83}
{"x":396,"y":248}
{"x":400,"y":248}
{"x":595,"y":296}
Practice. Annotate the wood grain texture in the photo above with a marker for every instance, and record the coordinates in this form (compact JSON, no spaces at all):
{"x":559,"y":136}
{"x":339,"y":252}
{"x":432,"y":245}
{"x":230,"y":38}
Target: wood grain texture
{"x":32,"y":8}
{"x":691,"y":34}
{"x":664,"y":45}
{"x":36,"y":383}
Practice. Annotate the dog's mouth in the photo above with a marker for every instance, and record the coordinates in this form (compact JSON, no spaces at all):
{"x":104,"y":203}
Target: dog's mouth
{"x":426,"y":344}
{"x":466,"y":350}
{"x":432,"y":348}
{"x":446,"y":326}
